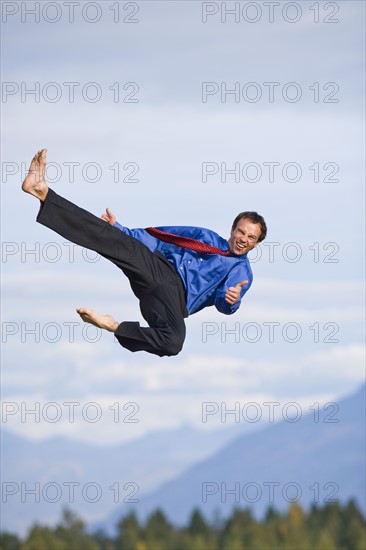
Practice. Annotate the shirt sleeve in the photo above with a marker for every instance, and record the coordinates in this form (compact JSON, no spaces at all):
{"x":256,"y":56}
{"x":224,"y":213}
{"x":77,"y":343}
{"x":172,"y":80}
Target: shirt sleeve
{"x":139,"y":234}
{"x":235,"y":276}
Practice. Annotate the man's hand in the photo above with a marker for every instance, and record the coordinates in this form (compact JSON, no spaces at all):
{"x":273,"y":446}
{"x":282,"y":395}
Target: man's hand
{"x":109,"y":217}
{"x":233,"y":293}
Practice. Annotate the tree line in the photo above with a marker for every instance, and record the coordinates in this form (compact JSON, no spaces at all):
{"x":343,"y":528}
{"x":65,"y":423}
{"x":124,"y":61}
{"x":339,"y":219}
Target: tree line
{"x":331,"y":527}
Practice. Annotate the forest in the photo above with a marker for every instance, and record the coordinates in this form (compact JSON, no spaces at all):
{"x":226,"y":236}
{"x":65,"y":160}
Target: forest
{"x":330,"y":527}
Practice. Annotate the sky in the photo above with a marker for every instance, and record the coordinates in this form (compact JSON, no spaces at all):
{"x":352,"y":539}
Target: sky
{"x":180,"y":113}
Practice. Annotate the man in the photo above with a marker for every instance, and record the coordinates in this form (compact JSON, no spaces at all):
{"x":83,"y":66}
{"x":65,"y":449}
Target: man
{"x":173,"y":271}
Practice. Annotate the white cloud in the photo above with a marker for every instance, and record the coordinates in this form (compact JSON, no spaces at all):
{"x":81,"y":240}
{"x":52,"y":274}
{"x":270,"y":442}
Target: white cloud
{"x":170,"y":395}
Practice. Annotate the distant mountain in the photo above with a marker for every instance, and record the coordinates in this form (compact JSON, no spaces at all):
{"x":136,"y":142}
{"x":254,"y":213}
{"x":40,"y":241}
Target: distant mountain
{"x":310,"y":461}
{"x":61,"y":469}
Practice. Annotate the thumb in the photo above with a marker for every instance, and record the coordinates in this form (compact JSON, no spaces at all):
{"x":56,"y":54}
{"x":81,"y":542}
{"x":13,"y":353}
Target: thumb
{"x":240,"y":285}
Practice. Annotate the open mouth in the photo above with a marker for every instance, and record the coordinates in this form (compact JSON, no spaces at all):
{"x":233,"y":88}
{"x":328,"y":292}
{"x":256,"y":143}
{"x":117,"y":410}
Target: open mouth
{"x":240,"y":246}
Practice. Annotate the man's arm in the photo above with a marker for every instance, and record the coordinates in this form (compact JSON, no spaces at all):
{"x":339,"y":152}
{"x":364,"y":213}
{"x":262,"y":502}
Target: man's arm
{"x":139,"y":234}
{"x":230,"y":293}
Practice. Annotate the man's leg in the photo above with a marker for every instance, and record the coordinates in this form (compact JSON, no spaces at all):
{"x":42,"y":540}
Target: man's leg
{"x":149,"y":273}
{"x":162,"y":309}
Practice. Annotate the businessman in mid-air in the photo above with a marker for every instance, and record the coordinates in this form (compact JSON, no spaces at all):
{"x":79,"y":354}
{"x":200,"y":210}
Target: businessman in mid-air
{"x":173,"y":271}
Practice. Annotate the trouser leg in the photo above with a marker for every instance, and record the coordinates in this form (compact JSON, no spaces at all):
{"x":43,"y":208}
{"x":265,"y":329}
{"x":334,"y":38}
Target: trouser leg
{"x":166,"y":332}
{"x":144,"y":268}
{"x":153,"y":279}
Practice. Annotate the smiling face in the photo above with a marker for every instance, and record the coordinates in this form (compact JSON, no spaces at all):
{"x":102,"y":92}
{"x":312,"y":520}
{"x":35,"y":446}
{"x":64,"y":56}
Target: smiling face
{"x":244,"y":237}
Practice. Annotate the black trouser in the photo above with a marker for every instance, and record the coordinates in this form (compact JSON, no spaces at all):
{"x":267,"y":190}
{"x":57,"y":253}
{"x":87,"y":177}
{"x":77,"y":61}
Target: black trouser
{"x":152,"y":277}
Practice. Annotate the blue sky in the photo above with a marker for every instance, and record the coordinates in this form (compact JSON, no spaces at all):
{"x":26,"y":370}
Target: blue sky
{"x":165,"y":58}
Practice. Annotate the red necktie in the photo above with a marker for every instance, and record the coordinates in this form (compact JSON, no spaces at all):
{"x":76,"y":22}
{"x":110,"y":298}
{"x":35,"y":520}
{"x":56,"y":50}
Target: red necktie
{"x":186,"y":242}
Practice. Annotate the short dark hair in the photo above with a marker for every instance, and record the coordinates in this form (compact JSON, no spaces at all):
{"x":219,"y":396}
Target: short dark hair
{"x":254,"y":217}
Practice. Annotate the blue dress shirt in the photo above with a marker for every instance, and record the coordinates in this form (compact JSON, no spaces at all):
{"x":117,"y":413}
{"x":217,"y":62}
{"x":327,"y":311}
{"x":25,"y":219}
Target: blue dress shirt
{"x":206,"y":277}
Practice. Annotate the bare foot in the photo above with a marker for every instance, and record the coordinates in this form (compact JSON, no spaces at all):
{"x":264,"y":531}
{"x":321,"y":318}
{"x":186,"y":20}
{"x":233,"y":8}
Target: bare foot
{"x":34,"y":183}
{"x":102,"y":321}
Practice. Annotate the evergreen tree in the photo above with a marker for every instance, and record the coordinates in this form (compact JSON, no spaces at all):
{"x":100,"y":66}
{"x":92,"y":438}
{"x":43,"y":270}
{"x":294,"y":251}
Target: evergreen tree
{"x":332,"y":520}
{"x":129,"y":533}
{"x":197,"y":524}
{"x":158,"y":533}
{"x":8,"y":541}
{"x":71,"y":531}
{"x":200,"y":533}
{"x":297,"y":533}
{"x":238,"y":530}
{"x":271,"y":515}
{"x":104,"y":541}
{"x":353,"y":534}
{"x":42,"y":538}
